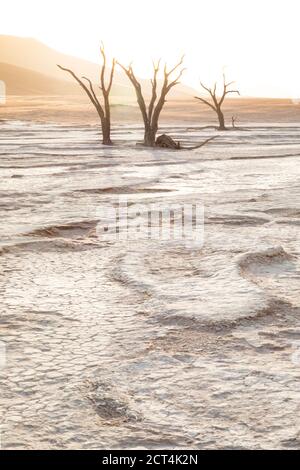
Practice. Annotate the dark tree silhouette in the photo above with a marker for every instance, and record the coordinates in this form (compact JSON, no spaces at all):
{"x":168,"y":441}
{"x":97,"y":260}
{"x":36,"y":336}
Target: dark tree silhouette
{"x":103,"y":110}
{"x":151,"y":115}
{"x":233,"y":121}
{"x":216,"y":102}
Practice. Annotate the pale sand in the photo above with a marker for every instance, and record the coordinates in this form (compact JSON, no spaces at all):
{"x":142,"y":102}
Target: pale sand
{"x":77,"y":110}
{"x":149,"y":344}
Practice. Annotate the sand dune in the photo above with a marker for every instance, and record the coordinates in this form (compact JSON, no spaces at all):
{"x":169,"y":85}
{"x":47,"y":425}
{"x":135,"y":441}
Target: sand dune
{"x":28,"y":53}
{"x":21,"y":81}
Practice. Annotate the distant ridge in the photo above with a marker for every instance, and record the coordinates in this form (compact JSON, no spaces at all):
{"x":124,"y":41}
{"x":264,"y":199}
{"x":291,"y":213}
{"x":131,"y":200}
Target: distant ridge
{"x":30,"y":55}
{"x":20,"y":81}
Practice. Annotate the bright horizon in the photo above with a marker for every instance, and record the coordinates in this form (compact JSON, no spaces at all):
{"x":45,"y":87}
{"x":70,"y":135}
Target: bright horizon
{"x":254,"y":42}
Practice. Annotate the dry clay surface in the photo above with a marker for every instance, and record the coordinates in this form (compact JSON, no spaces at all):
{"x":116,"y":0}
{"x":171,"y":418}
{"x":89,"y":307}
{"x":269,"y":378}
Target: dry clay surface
{"x":149,"y":344}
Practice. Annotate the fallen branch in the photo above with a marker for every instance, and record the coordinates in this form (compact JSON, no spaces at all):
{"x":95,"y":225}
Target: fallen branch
{"x":200,"y":145}
{"x":165,"y":141}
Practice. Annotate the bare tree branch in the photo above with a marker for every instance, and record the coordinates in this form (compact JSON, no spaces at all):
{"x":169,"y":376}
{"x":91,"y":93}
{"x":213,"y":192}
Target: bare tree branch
{"x":103,"y":111}
{"x":168,"y":73}
{"x":102,"y":76}
{"x":85,"y":88}
{"x":206,"y":88}
{"x":154,"y":89}
{"x":205,"y":102}
{"x":176,"y":81}
{"x":166,"y":87}
{"x":92,"y":91}
{"x":227,"y":92}
{"x":151,"y":115}
{"x":111,"y":76}
{"x":138,"y":90}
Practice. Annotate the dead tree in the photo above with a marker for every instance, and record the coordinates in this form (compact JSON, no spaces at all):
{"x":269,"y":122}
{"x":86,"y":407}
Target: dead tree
{"x":216,"y":102}
{"x":103,"y":110}
{"x":151,"y":113}
{"x":233,"y":121}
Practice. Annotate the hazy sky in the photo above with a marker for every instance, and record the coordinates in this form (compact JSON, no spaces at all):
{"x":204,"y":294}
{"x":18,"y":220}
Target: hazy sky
{"x":256,"y":42}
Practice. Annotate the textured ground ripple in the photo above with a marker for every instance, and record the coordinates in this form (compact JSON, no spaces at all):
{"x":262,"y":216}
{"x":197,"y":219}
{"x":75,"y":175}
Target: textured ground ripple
{"x":149,"y":344}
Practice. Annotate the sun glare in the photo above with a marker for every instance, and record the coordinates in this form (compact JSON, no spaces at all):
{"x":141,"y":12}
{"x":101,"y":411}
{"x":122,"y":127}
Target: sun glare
{"x":254,"y":41}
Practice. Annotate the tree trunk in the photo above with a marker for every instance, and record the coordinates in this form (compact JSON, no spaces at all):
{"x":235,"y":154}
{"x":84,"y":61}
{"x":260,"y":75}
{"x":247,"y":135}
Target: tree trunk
{"x":149,"y":137}
{"x":106,"y":140}
{"x":221,"y":120}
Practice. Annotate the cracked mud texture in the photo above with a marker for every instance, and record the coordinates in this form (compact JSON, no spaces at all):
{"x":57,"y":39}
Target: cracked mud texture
{"x":149,"y":344}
